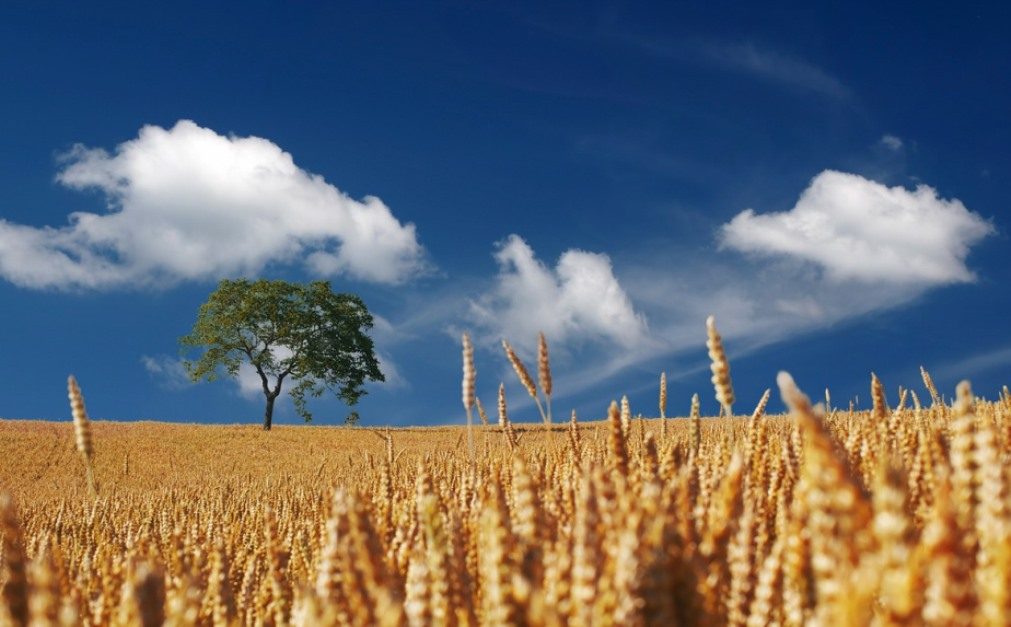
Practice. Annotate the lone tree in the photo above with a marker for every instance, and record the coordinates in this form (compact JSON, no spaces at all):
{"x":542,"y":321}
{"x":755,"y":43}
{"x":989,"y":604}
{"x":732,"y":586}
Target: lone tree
{"x":304,"y":332}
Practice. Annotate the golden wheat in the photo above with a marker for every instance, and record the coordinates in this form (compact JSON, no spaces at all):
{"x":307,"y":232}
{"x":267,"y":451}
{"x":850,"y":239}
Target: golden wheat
{"x":82,"y":431}
{"x":889,"y":516}
{"x":544,"y":372}
{"x":468,"y":395}
{"x":720,"y":367}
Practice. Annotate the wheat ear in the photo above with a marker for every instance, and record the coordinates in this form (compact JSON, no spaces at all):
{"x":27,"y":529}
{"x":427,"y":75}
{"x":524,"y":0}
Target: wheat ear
{"x":720,"y":367}
{"x":626,"y":418}
{"x":82,"y":431}
{"x":524,"y":376}
{"x":617,"y":442}
{"x":544,"y":372}
{"x":696,"y":424}
{"x":928,"y":383}
{"x":574,"y":435}
{"x":503,"y":419}
{"x":879,"y":409}
{"x":663,"y":406}
{"x":469,"y":378}
{"x":663,"y":394}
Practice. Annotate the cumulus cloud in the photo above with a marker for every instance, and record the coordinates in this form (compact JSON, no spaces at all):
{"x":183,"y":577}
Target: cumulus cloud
{"x":186,"y":203}
{"x":855,"y":229}
{"x":846,"y":236}
{"x":578,"y":300}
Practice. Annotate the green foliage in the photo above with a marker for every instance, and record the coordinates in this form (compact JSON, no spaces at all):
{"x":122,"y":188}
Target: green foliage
{"x":306,"y":332}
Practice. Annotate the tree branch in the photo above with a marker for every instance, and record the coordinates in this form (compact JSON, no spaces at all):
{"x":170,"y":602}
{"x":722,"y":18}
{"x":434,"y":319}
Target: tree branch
{"x":264,"y":381}
{"x":280,"y":379}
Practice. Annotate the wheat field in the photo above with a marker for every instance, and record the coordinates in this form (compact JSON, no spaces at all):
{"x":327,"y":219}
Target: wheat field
{"x":893,"y":516}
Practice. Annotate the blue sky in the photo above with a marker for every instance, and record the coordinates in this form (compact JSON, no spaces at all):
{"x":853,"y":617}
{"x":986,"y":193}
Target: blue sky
{"x":830,"y":182}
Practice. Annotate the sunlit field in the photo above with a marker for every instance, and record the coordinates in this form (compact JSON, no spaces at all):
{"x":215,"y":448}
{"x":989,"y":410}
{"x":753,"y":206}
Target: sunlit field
{"x":824,"y":516}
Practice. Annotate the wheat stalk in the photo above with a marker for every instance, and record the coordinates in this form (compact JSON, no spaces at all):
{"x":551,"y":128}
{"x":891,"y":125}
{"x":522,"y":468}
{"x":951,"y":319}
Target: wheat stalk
{"x":524,"y":376}
{"x":481,"y":413}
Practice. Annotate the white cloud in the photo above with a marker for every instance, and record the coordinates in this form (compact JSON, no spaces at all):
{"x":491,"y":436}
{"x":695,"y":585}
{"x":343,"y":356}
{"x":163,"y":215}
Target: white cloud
{"x":775,"y":298}
{"x":860,"y":230}
{"x":580,"y":299}
{"x":394,"y":379}
{"x":674,"y":284}
{"x":250,"y":386}
{"x":169,"y":371}
{"x":189,"y":204}
{"x":892,"y":142}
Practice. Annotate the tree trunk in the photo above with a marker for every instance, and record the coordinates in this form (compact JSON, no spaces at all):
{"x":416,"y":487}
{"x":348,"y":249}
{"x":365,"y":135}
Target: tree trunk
{"x":268,"y":414}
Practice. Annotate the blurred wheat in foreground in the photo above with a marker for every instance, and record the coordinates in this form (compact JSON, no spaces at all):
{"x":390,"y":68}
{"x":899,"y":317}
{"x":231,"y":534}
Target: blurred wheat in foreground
{"x":892,"y":517}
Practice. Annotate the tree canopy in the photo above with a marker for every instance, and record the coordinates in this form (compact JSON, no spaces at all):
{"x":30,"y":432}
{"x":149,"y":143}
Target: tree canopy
{"x":303,"y":332}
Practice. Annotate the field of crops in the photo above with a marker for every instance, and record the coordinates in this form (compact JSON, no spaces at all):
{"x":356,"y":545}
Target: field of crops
{"x":897,"y":515}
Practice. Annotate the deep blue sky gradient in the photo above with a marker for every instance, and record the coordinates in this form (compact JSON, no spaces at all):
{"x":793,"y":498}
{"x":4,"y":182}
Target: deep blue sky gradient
{"x":599,"y":126}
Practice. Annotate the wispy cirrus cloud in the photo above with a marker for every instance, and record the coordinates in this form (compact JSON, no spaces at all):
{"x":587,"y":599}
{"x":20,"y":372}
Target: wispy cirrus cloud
{"x":774,"y":66}
{"x":975,"y":364}
{"x":749,"y":58}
